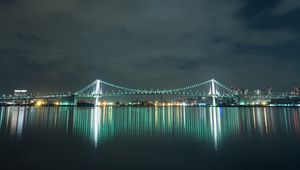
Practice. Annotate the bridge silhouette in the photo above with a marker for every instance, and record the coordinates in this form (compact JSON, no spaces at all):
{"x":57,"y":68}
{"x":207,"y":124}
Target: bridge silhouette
{"x":210,"y":88}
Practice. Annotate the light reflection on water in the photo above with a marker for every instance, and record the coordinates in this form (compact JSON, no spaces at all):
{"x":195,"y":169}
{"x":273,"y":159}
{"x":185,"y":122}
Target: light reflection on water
{"x":211,"y":125}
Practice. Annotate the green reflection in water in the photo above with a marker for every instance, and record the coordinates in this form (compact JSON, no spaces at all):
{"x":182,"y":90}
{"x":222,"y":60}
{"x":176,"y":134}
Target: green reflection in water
{"x":211,"y":125}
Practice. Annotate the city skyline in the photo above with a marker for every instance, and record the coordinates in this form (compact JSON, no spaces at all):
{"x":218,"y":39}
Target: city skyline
{"x":207,"y":93}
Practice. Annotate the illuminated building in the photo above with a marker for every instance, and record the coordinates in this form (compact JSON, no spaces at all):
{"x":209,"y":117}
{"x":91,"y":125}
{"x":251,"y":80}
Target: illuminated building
{"x":20,"y":93}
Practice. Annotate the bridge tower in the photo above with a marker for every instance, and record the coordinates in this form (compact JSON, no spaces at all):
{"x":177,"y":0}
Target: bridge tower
{"x":98,"y":92}
{"x":213,"y":91}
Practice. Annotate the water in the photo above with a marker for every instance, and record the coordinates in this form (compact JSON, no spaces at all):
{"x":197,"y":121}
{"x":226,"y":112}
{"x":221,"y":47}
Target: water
{"x":149,"y":138}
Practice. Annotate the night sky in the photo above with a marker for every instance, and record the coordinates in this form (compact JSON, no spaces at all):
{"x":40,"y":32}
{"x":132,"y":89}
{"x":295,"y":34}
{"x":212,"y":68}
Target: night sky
{"x":63,"y":45}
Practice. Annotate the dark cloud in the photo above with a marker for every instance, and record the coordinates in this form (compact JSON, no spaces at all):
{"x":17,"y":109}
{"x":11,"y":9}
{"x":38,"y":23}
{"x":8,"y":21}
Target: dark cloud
{"x":286,"y":6}
{"x":24,"y":37}
{"x":65,"y":44}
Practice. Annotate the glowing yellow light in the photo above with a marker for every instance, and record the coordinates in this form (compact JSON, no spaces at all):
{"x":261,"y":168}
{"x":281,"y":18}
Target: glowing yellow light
{"x":264,"y":103}
{"x":39,"y":103}
{"x":56,"y":103}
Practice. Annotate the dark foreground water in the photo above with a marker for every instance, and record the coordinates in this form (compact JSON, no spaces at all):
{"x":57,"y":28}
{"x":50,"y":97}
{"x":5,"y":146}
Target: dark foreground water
{"x":149,"y":138}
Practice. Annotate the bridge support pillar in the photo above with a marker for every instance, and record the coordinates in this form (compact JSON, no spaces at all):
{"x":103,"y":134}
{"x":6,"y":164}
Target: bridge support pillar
{"x":214,"y":101}
{"x":97,"y":101}
{"x":75,"y":100}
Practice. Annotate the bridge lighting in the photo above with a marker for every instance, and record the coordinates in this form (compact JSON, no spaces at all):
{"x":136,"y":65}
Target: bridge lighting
{"x":56,"y":103}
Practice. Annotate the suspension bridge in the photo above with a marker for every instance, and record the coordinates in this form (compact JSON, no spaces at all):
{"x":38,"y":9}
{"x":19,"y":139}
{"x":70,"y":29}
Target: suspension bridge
{"x":101,"y":89}
{"x":210,"y":88}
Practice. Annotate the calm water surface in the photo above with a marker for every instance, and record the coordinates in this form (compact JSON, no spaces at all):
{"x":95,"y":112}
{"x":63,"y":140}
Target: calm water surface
{"x":149,"y":138}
